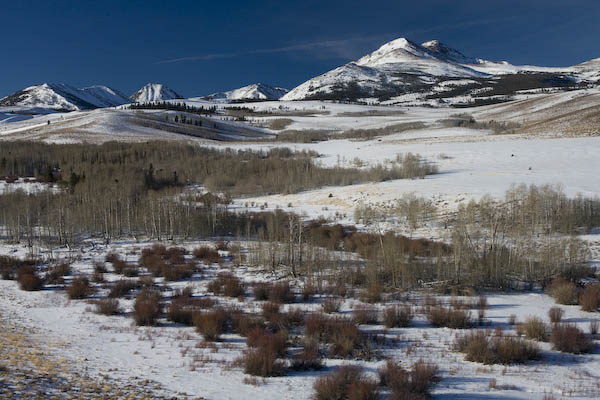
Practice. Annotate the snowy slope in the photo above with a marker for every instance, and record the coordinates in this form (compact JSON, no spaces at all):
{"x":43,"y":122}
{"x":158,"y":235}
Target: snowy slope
{"x":256,"y":91}
{"x":58,"y":96}
{"x":154,"y":92}
{"x":402,"y":67}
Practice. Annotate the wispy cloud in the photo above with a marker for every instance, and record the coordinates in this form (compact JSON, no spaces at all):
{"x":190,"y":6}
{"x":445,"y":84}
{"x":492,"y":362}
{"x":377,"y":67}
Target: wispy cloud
{"x":291,"y":48}
{"x":341,"y":48}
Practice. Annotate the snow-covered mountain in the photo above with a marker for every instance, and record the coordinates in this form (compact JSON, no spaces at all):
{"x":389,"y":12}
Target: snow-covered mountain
{"x":403,"y":68}
{"x":256,"y":91}
{"x":154,"y":92}
{"x":58,"y":96}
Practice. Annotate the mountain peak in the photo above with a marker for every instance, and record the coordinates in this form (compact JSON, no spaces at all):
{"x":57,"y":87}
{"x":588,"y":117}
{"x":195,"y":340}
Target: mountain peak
{"x":400,"y":50}
{"x":60,"y":96}
{"x":154,"y":92}
{"x":447,"y":53}
{"x":255,"y":91}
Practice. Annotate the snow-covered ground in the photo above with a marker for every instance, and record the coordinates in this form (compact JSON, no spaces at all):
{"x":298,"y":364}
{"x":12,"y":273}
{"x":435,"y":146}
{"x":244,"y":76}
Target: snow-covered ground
{"x":169,"y":354}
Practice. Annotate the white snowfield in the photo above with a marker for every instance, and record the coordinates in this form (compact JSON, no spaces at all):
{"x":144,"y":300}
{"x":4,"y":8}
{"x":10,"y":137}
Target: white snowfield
{"x":168,"y":354}
{"x":552,"y":146}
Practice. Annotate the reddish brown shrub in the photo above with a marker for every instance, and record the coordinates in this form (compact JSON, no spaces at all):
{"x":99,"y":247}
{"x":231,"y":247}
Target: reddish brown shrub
{"x":122,"y":288}
{"x":281,"y":293}
{"x":331,"y":304}
{"x":570,"y":339}
{"x":226,"y":284}
{"x":346,"y":382}
{"x":211,"y":324}
{"x":406,"y":384}
{"x":261,"y":291}
{"x":478,"y":347}
{"x":79,"y":288}
{"x":146,"y":308}
{"x":262,"y":338}
{"x":56,"y":274}
{"x":207,"y":255}
{"x":308,"y":358}
{"x":590,"y":299}
{"x":447,"y":317}
{"x":343,"y":335}
{"x":243,"y":324}
{"x":563,"y":291}
{"x":30,"y":282}
{"x":397,"y":316}
{"x":269,"y":310}
{"x":107,"y":307}
{"x":364,"y":315}
{"x":594,"y":324}
{"x":372,"y":294}
{"x":555,"y":314}
{"x":262,"y":362}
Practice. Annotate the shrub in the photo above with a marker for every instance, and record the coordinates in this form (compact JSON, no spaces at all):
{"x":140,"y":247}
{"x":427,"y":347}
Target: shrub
{"x":478,"y":347}
{"x":99,"y":267}
{"x":570,"y":339}
{"x":30,"y":281}
{"x":346,"y":382}
{"x":226,"y":284}
{"x":408,"y":385}
{"x":590,"y":298}
{"x":281,"y":292}
{"x":261,"y":338}
{"x":211,"y":324}
{"x":146,"y":308}
{"x":555,"y":314}
{"x":270,"y":309}
{"x":343,"y":335}
{"x":79,"y":288}
{"x":563,"y":291}
{"x":57,"y":273}
{"x":372,"y":294}
{"x":512,"y":319}
{"x":179,"y":272}
{"x":397,"y":316}
{"x":262,"y":362}
{"x":261,"y":291}
{"x":308,"y":291}
{"x":243,"y":324}
{"x":308,"y":357}
{"x":594,"y":327}
{"x":331,"y":304}
{"x":447,"y":317}
{"x":122,"y":287}
{"x":207,"y":254}
{"x":107,"y":307}
{"x":534,"y":328}
{"x":364,"y":315}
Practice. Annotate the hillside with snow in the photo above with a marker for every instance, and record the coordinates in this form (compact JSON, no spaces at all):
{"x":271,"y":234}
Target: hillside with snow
{"x":256,"y":91}
{"x":154,"y":92}
{"x":62,"y":97}
{"x":432,"y":73}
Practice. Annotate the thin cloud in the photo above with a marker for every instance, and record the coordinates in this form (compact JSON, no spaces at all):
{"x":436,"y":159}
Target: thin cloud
{"x":303,"y":46}
{"x":330,"y":44}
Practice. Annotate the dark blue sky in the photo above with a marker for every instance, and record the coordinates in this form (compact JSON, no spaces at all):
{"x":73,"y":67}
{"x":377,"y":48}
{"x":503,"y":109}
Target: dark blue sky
{"x":199,"y":47}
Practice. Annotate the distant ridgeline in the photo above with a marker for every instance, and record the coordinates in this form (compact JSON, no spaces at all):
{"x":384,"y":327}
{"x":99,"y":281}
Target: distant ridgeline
{"x":165,"y":105}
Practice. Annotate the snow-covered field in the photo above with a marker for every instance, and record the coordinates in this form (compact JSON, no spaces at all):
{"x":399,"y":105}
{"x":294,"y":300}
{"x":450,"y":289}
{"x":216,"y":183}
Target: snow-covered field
{"x":472,"y":163}
{"x":169,"y":354}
